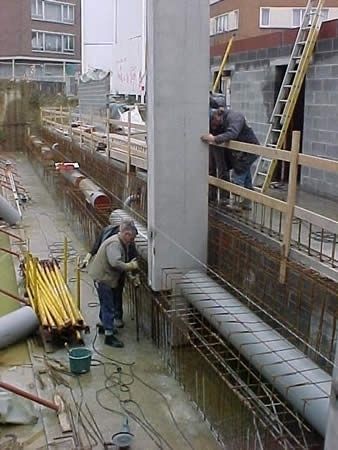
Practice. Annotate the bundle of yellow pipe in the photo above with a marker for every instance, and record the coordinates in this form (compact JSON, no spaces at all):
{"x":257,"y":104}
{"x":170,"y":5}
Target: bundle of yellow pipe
{"x":50,"y":296}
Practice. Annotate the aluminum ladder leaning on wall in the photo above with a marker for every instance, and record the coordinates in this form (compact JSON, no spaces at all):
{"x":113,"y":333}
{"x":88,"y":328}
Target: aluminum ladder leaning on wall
{"x":289,"y":92}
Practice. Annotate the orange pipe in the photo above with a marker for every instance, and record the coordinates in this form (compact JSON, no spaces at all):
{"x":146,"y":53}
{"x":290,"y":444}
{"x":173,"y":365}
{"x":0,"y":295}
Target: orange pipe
{"x":29,"y":396}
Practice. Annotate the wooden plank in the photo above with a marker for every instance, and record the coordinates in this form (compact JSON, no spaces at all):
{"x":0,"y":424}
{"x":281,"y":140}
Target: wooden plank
{"x":263,"y":199}
{"x":316,"y":162}
{"x":261,"y":150}
{"x":291,"y":201}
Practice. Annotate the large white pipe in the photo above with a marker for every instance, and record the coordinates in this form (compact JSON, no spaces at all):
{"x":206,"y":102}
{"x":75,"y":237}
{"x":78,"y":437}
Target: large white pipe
{"x":17,"y":325}
{"x":294,"y":375}
{"x":7,"y":212}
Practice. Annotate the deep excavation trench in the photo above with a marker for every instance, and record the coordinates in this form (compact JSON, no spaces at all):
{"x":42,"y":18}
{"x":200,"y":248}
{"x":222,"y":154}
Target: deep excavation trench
{"x":242,"y":409}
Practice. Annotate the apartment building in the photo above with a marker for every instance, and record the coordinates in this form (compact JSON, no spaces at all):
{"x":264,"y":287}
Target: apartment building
{"x":40,"y":39}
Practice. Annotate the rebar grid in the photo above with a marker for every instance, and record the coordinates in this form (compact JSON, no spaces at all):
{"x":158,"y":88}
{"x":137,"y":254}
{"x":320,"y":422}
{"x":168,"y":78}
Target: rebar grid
{"x":182,"y":335}
{"x":311,"y":239}
{"x":306,"y":304}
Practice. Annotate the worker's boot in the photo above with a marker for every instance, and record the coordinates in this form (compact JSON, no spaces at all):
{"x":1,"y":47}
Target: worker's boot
{"x":112,"y":341}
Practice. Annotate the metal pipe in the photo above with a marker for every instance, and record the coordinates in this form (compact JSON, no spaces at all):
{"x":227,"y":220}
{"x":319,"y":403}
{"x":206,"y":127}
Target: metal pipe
{"x":290,"y":371}
{"x":13,"y":296}
{"x":29,"y":396}
{"x":8,"y":213}
{"x":94,"y":195}
{"x":17,"y":325}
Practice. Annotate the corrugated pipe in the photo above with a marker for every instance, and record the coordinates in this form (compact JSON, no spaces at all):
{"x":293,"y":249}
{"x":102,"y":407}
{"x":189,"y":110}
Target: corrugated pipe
{"x":92,"y":192}
{"x":294,"y":375}
{"x":8,"y":213}
{"x":17,"y":325}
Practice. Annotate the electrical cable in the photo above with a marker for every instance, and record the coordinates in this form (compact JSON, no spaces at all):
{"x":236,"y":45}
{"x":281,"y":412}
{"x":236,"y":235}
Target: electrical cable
{"x":80,"y":414}
{"x":114,"y":380}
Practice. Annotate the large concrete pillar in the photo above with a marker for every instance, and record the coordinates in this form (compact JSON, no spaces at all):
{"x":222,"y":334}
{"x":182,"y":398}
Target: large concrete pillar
{"x":177,"y":91}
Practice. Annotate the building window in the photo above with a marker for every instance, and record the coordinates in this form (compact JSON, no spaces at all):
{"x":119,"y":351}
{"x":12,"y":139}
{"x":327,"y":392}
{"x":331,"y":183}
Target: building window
{"x":52,"y":42}
{"x":297,"y":16}
{"x":225,"y":22}
{"x":222,"y":23}
{"x":52,"y":11}
{"x":36,"y":9}
{"x":68,"y":13}
{"x":68,"y":44}
{"x":265,"y":17}
{"x":37,"y":41}
{"x":233,"y":20}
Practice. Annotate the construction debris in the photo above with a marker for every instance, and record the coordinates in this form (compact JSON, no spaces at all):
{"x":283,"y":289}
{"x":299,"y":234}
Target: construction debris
{"x":16,"y":410}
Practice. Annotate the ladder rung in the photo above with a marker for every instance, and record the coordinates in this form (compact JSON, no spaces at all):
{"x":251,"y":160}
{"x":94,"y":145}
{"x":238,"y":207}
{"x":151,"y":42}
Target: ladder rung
{"x":272,"y":145}
{"x":283,"y":101}
{"x":287,"y":85}
{"x":278,"y":115}
{"x":301,"y":42}
{"x":275,"y":130}
{"x":262,"y":174}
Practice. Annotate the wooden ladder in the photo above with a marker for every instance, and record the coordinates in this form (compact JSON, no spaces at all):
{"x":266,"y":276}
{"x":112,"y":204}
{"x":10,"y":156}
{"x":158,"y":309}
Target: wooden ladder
{"x":289,"y":92}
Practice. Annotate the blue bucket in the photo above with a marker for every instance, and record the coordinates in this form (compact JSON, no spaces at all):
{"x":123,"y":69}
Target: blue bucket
{"x":80,"y":360}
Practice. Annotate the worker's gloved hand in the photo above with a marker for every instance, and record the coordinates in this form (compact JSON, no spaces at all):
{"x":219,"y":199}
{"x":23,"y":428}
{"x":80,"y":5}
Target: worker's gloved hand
{"x":132,"y":265}
{"x":135,"y":280}
{"x":85,"y":261}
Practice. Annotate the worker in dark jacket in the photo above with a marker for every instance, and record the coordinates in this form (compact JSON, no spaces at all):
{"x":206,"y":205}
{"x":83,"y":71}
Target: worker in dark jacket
{"x":220,"y":164}
{"x":106,"y":233}
{"x":234,"y":127}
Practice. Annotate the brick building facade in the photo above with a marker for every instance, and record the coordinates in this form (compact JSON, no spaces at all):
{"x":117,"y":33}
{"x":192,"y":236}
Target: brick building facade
{"x":40,"y":39}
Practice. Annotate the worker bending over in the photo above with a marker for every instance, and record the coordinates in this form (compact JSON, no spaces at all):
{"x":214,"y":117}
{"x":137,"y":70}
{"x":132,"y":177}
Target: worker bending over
{"x":107,"y":268}
{"x":107,"y":232}
{"x":227,"y":125}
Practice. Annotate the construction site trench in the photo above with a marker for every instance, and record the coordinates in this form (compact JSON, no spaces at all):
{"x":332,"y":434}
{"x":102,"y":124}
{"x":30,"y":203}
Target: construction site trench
{"x":302,"y":310}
